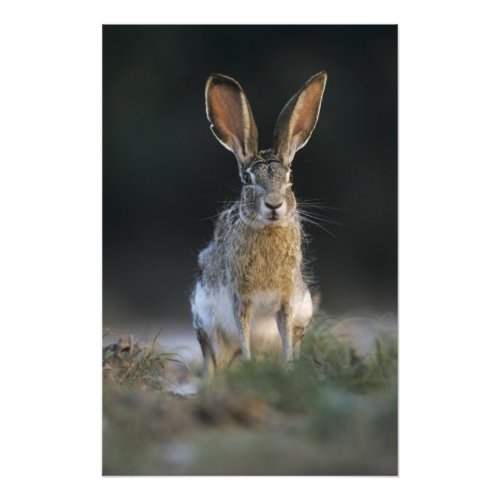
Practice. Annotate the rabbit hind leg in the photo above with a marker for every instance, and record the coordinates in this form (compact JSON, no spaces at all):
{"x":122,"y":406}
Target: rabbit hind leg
{"x":208,"y":351}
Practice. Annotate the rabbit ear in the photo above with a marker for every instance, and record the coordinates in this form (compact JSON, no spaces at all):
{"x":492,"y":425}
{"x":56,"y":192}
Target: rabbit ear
{"x":231,"y":117}
{"x":298,"y":118}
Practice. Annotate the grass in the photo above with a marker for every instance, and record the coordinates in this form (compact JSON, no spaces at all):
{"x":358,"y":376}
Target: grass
{"x":333,"y":412}
{"x":129,"y":363}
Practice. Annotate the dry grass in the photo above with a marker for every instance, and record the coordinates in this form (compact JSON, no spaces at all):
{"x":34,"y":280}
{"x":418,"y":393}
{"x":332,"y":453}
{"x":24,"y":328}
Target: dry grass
{"x":333,"y":412}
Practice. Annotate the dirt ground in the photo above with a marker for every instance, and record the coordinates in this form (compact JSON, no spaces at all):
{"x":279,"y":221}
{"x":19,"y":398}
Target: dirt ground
{"x":333,"y":413}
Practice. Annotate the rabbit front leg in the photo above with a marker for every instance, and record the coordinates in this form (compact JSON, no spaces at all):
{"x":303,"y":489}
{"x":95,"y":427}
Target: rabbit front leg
{"x":298,"y":337}
{"x":285,"y":328}
{"x":242,"y":312}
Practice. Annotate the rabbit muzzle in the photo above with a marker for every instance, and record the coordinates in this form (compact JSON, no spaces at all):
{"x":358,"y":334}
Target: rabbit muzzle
{"x":273,"y":206}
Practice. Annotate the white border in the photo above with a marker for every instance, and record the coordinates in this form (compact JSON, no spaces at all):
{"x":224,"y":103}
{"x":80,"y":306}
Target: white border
{"x":50,"y":201}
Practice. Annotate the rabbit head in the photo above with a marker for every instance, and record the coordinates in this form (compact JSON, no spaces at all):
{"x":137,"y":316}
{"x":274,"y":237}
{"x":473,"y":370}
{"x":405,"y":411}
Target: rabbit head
{"x":267,"y":196}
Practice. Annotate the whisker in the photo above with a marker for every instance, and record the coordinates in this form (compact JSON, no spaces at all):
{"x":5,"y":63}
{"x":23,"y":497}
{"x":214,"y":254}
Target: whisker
{"x":207,"y":218}
{"x":320,"y":206}
{"x":310,"y":221}
{"x":319,"y":201}
{"x":320,"y":217}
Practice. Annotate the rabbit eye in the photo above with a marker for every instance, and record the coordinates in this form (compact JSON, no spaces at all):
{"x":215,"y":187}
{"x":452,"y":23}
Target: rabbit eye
{"x":290,"y":178}
{"x":247,"y":178}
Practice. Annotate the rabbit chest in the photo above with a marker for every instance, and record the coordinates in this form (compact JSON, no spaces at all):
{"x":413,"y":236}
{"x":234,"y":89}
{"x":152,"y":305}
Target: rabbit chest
{"x":266,"y":259}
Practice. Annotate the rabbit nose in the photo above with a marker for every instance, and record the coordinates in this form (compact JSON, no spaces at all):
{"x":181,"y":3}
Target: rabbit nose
{"x":273,"y":207}
{"x":273,"y":201}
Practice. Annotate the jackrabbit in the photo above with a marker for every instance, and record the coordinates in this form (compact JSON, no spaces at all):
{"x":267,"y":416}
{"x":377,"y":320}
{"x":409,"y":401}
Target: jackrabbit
{"x":251,"y":291}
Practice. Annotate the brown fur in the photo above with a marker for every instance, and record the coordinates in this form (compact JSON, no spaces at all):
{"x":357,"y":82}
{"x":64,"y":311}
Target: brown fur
{"x":266,"y":259}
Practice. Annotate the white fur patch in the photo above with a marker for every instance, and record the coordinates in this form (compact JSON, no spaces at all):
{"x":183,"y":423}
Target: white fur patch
{"x":214,"y":310}
{"x":302,"y":308}
{"x":263,"y":326}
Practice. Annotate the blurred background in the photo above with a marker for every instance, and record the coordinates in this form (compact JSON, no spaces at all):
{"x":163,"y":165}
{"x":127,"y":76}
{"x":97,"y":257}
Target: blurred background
{"x":165,"y":174}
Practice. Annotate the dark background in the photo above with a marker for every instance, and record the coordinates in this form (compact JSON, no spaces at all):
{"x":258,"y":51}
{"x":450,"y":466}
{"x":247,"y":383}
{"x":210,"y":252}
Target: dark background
{"x":164,"y":173}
